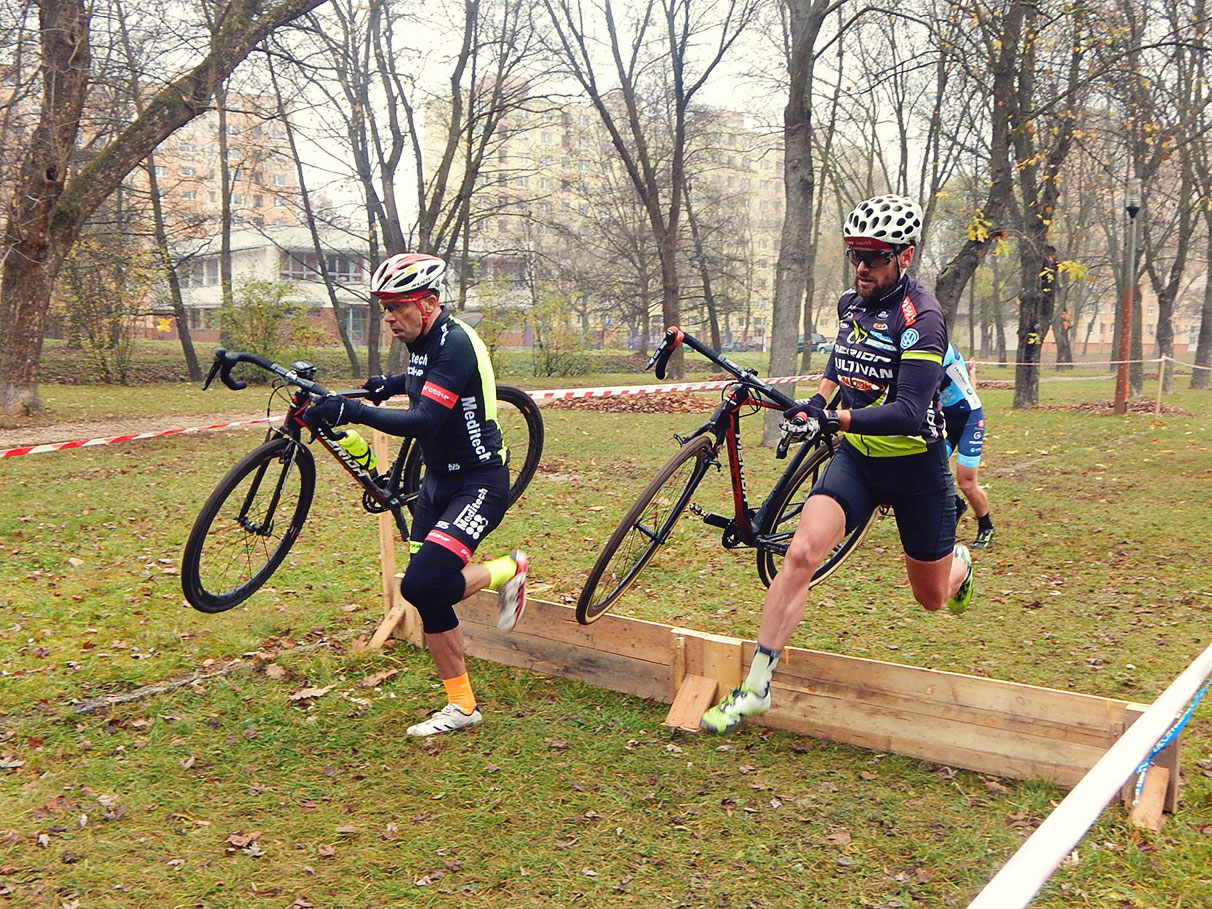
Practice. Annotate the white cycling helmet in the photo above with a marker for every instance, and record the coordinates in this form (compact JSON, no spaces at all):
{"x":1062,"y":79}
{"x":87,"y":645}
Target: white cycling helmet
{"x":407,"y":272}
{"x":883,"y":222}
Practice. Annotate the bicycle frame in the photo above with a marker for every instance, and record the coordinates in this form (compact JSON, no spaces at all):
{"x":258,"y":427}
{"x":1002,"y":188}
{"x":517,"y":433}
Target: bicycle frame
{"x":385,"y":497}
{"x":724,"y":424}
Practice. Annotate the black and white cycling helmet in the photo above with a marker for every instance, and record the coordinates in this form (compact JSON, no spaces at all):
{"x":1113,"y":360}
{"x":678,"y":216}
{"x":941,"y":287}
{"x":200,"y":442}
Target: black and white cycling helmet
{"x":407,"y":272}
{"x":884,"y":222}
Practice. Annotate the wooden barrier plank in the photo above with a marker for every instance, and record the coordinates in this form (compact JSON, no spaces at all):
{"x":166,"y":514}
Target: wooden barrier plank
{"x":1028,"y":717}
{"x":646,"y":641}
{"x":1065,"y":711}
{"x":569,"y":661}
{"x":962,"y":745}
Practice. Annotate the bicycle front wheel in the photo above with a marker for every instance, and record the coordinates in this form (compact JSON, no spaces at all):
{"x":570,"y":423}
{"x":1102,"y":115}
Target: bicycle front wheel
{"x":779,"y":525}
{"x":248,"y":525}
{"x":521,"y":426}
{"x":644,"y":528}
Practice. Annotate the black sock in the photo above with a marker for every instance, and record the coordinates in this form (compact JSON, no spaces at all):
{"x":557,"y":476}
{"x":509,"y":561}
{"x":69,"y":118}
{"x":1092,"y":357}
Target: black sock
{"x":985,"y":522}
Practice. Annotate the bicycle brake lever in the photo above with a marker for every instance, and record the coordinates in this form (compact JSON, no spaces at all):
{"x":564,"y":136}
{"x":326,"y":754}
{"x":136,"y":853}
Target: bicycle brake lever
{"x":214,"y":367}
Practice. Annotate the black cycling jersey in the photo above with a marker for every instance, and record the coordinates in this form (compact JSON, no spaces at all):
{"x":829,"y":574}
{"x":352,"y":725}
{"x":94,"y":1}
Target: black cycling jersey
{"x":452,"y":397}
{"x":887,"y":361}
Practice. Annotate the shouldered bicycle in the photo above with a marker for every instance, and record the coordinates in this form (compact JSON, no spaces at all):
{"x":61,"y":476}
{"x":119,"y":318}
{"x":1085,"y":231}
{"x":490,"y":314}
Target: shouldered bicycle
{"x":249,"y":523}
{"x":768,"y":528}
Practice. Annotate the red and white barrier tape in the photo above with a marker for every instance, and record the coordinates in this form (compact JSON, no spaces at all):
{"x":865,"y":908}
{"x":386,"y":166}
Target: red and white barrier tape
{"x":617,"y":391}
{"x":553,"y":394}
{"x":130,"y":437}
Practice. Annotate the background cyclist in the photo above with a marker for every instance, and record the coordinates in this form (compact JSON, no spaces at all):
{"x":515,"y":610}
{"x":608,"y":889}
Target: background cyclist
{"x":887,"y":363}
{"x":965,"y":424}
{"x":452,"y":413}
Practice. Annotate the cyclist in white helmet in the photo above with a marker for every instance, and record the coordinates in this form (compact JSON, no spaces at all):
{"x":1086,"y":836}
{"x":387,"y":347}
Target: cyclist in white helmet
{"x":452,"y":413}
{"x":887,"y":365}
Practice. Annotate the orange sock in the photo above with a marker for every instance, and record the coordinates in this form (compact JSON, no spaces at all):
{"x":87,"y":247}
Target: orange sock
{"x":459,"y":693}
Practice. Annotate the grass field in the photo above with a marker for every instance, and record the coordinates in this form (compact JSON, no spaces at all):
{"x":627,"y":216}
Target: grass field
{"x":228,"y":792}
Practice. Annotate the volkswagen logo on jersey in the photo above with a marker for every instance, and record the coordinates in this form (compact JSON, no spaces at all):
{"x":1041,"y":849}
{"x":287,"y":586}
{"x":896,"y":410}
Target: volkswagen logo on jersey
{"x":909,"y":338}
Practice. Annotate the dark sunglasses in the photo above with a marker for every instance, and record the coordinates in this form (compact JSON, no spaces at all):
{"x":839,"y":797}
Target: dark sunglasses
{"x":872,"y":258}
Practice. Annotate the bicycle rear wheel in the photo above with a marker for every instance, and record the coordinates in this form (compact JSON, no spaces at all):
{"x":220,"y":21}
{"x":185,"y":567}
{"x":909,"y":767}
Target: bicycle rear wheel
{"x":248,"y":525}
{"x":779,"y":526}
{"x":644,"y":528}
{"x":521,"y":426}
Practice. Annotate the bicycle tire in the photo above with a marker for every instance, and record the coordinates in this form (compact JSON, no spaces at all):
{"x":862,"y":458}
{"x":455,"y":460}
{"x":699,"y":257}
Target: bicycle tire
{"x":644,"y":528}
{"x":784,"y":515}
{"x":225,"y":562}
{"x":521,"y":426}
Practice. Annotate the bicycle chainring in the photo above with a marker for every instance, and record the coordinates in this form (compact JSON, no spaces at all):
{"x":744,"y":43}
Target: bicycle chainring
{"x":730,"y":539}
{"x":374,"y":506}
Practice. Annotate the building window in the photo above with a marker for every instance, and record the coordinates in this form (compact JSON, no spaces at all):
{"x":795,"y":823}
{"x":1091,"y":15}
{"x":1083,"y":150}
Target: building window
{"x":258,"y":201}
{"x":234,"y":154}
{"x":547,"y":137}
{"x":237,"y":198}
{"x":299,"y":266}
{"x":203,"y":319}
{"x":545,"y":160}
{"x":160,"y":170}
{"x":544,"y":182}
{"x":234,"y":129}
{"x":214,"y":196}
{"x":186,"y":148}
{"x":189,"y":195}
{"x":189,"y":172}
{"x":345,"y":269}
{"x":199,"y":273}
{"x":279,"y":179}
{"x":279,"y":202}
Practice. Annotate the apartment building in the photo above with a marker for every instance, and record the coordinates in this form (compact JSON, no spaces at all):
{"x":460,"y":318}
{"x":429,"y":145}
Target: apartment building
{"x":555,"y":208}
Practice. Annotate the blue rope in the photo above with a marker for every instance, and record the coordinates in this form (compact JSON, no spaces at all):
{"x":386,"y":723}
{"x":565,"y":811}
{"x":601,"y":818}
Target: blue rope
{"x":1166,"y":740}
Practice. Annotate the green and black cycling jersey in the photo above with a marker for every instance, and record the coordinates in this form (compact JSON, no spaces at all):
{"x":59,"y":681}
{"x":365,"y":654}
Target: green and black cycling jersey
{"x":452,"y":397}
{"x":887,"y":361}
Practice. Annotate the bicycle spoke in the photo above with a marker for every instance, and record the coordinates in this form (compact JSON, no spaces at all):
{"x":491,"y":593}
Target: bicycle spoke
{"x":248,"y":526}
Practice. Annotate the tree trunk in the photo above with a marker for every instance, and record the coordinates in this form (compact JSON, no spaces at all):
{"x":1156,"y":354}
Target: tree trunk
{"x":989,"y":225}
{"x":795,"y":256}
{"x":180,"y":315}
{"x":1203,"y":347}
{"x":45,"y":218}
{"x":37,"y":237}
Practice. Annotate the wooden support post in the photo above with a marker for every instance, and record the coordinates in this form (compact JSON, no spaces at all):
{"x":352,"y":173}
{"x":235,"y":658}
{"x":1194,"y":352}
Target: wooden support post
{"x":1148,"y":811}
{"x":398,"y":613}
{"x":701,"y":666}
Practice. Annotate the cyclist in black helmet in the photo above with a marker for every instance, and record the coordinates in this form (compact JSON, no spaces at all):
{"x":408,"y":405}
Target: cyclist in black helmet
{"x":887,"y":364}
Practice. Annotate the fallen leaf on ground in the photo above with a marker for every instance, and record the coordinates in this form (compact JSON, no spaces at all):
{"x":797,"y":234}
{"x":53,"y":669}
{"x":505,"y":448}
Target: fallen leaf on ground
{"x":307,"y":694}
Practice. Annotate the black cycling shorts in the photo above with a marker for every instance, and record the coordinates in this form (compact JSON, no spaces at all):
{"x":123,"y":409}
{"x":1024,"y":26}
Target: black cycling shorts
{"x":918,"y":487}
{"x":453,"y":513}
{"x":456,"y":510}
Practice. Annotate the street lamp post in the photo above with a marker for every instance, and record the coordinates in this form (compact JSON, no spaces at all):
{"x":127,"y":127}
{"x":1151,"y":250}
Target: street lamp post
{"x":1131,"y":206}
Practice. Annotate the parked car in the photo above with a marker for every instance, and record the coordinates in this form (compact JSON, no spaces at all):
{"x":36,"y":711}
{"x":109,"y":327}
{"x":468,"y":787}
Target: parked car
{"x":820,"y":344}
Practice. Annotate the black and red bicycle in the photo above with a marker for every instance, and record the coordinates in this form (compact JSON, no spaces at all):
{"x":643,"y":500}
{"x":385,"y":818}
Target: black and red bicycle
{"x":768,"y":529}
{"x":255,"y":514}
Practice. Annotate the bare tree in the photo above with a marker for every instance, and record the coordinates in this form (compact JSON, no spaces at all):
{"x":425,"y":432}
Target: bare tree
{"x":51,"y":201}
{"x":636,"y":131}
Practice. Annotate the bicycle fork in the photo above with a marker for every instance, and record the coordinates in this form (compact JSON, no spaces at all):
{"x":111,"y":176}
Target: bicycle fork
{"x":266,"y":527}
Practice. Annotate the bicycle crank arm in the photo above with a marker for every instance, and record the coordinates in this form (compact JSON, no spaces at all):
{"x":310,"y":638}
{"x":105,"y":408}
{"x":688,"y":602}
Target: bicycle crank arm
{"x":714,"y":520}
